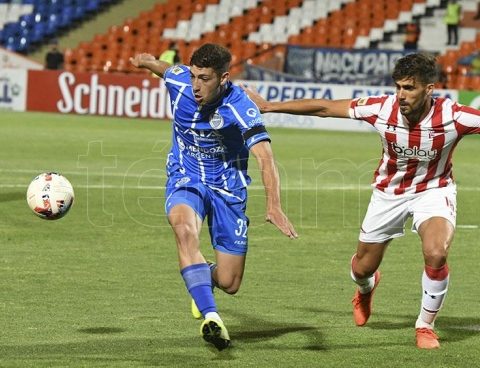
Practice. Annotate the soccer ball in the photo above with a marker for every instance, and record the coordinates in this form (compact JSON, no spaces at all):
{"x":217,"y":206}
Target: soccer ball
{"x":50,"y":196}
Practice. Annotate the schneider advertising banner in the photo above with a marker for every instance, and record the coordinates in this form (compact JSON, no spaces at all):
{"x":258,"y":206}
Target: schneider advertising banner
{"x":97,"y":94}
{"x":145,"y":97}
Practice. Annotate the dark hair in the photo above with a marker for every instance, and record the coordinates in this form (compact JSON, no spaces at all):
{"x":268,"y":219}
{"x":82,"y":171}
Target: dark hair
{"x":212,"y":56}
{"x":422,"y":67}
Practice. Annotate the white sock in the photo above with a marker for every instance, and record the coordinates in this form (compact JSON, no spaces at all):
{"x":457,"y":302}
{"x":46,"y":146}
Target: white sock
{"x":433,"y":296}
{"x":365,"y":285}
{"x":420,"y":323}
{"x":213,"y":315}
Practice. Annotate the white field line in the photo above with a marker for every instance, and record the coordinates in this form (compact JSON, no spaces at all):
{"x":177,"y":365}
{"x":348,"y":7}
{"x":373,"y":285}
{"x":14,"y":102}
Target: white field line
{"x":250,"y":187}
{"x":468,"y":327}
{"x":156,"y":187}
{"x":162,"y":177}
{"x":161,"y":187}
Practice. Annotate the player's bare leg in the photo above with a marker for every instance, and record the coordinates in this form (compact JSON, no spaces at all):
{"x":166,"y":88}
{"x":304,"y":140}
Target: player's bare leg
{"x":364,"y":272}
{"x":196,"y":273}
{"x":228,"y":274}
{"x":186,"y":225}
{"x":437,"y":235}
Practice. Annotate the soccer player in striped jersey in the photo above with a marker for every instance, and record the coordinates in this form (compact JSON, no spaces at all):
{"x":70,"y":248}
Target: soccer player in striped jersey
{"x":215,"y":126}
{"x":414,"y":178}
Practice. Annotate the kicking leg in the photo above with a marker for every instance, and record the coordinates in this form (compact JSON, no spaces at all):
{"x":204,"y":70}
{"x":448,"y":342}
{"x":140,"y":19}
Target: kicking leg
{"x":186,"y":225}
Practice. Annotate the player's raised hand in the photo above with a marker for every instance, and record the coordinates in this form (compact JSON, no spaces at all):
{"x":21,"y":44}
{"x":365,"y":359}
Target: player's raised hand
{"x":142,"y":60}
{"x":280,"y":220}
{"x":255,"y":97}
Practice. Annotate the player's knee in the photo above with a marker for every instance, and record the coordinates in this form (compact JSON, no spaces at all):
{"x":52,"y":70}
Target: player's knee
{"x":232,"y":290}
{"x":185,"y":233}
{"x":435,"y":256}
{"x":435,"y":259}
{"x":230,"y":285}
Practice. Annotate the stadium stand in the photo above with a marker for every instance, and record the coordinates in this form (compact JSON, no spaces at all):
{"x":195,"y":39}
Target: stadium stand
{"x":256,"y":31}
{"x":27,"y":23}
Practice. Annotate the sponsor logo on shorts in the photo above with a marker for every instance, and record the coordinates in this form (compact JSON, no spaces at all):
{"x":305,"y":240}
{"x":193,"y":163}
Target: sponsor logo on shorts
{"x":182,"y":181}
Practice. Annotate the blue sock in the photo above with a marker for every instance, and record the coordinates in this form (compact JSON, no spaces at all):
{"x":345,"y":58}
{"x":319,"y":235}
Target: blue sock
{"x":213,"y":266}
{"x":198,"y":281}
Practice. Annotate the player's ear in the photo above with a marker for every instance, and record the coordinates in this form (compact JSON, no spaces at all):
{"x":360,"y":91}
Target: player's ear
{"x":224,"y":78}
{"x":430,"y":88}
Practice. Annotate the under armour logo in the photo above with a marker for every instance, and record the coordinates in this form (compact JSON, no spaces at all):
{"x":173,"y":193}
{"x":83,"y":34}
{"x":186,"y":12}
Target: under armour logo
{"x":431,"y":296}
{"x":391,"y":128}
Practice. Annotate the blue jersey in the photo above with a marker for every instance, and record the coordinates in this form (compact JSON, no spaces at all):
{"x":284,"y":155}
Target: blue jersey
{"x":211,"y":142}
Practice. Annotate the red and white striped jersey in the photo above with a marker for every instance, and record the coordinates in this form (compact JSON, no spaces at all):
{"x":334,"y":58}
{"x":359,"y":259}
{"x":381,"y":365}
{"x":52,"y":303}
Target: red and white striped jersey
{"x":415,"y":158}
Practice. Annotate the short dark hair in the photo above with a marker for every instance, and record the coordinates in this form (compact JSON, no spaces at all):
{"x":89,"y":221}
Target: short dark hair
{"x":420,"y":66}
{"x":212,"y":56}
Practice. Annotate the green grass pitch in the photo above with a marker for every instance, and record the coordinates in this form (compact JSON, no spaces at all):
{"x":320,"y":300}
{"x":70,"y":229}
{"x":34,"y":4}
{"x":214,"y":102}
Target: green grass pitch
{"x":101,"y":287}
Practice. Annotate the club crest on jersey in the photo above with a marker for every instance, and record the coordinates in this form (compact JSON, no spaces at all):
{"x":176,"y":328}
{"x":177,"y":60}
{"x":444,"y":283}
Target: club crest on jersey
{"x":216,"y":121}
{"x":362,"y":101}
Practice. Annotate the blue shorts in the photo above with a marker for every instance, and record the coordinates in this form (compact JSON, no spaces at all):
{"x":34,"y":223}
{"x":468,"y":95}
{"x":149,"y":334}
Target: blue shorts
{"x":225,"y":211}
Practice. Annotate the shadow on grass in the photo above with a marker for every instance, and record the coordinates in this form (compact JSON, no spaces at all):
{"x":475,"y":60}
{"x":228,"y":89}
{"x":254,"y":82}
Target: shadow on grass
{"x":13,"y":196}
{"x":254,"y":330}
{"x":248,"y":332}
{"x":449,"y":328}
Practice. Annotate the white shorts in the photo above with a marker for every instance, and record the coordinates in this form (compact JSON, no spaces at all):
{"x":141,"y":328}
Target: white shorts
{"x":387,"y":213}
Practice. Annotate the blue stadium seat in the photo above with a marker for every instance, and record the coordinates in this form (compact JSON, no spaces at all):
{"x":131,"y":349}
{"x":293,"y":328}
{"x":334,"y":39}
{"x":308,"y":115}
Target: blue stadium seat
{"x":92,"y":5}
{"x":39,"y":31}
{"x":79,"y":12}
{"x":66,"y":17}
{"x":48,"y":17}
{"x":17,"y":44}
{"x":53,"y":24}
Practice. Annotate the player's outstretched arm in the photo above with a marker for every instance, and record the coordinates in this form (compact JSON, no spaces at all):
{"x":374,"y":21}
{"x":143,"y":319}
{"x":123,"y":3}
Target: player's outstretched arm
{"x":149,"y":62}
{"x":271,"y":181}
{"x":315,"y":107}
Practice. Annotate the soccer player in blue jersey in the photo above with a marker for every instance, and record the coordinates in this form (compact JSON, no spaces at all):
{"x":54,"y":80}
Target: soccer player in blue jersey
{"x":215,"y":125}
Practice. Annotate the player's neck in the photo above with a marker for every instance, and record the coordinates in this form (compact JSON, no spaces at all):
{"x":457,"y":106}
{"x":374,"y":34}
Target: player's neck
{"x":417,"y":116}
{"x":217,"y":98}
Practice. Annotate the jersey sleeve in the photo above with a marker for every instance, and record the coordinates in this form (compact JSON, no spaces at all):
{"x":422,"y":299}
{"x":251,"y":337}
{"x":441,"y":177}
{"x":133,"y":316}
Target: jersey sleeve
{"x":467,"y":119}
{"x":247,"y":118}
{"x":176,"y":74}
{"x":367,"y":108}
